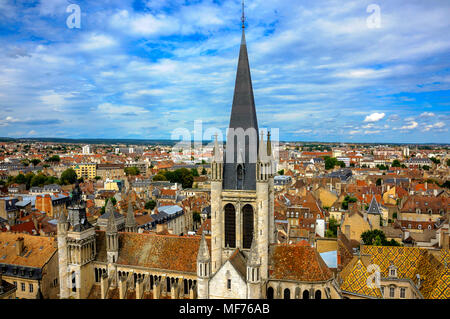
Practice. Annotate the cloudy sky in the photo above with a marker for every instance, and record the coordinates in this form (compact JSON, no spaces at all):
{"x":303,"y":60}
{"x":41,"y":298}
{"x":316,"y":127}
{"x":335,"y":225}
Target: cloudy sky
{"x":322,"y":70}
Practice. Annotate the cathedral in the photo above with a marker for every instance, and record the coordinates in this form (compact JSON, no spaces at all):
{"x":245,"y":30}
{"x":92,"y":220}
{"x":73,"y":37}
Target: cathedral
{"x":241,"y":259}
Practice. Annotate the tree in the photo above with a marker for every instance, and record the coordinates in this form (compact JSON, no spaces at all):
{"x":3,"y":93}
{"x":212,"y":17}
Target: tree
{"x":20,"y":179}
{"x":35,"y":161}
{"x":204,"y":172}
{"x":396,"y":163}
{"x":448,"y":162}
{"x":97,"y":178}
{"x":69,"y":176}
{"x":347,"y":200}
{"x":426,"y":167}
{"x":377,"y":237}
{"x":341,"y":164}
{"x":159,"y":177}
{"x":331,"y":162}
{"x":53,"y":159}
{"x":281,"y":172}
{"x":435,"y":160}
{"x":378,"y":182}
{"x":38,"y":180}
{"x":150,"y":204}
{"x":194,"y":172}
{"x":131,"y":171}
{"x":332,"y":227}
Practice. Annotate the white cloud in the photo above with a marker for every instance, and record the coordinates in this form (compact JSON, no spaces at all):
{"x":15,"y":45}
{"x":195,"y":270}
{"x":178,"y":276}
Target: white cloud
{"x":412,"y":125}
{"x":97,"y":41}
{"x":427,"y":114}
{"x":374,"y":117}
{"x":437,"y":125}
{"x":114,"y":110}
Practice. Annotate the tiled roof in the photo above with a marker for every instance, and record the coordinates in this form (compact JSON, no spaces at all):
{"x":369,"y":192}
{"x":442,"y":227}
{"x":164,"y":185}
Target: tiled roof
{"x":355,"y":277}
{"x":166,"y":252}
{"x":37,"y":250}
{"x":412,"y":261}
{"x":297,"y":262}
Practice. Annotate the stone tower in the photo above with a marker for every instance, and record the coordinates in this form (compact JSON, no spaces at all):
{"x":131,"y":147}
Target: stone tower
{"x":242,"y":181}
{"x":62,"y":228}
{"x":76,"y":239}
{"x":112,"y":239}
{"x":203,"y":269}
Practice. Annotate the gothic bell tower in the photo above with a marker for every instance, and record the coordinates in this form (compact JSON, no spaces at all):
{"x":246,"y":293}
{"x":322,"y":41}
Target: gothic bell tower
{"x":242,"y":181}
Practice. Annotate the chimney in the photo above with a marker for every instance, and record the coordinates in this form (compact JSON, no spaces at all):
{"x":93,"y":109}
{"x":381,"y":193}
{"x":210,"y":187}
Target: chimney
{"x":19,"y":246}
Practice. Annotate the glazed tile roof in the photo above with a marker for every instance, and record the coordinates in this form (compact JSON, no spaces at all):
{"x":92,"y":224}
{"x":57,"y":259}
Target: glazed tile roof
{"x":413,"y":261}
{"x":297,"y":262}
{"x":168,"y":252}
{"x":37,"y":250}
{"x":355,"y":277}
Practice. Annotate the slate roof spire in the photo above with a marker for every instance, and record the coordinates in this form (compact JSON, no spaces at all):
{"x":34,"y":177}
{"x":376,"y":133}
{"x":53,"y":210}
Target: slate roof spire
{"x":373,"y":207}
{"x":243,"y":116}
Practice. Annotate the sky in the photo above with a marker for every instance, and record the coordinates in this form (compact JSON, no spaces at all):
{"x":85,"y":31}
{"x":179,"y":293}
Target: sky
{"x":326,"y":71}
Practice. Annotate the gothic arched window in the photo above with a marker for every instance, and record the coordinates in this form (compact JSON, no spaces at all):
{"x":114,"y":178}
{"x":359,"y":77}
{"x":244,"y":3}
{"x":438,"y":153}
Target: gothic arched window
{"x":306,"y":294}
{"x":247,"y":212}
{"x":318,"y":294}
{"x":287,"y":294}
{"x":230,"y":226}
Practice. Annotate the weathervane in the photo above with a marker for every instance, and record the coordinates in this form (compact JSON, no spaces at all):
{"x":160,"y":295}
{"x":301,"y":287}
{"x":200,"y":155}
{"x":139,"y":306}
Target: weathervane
{"x":243,"y":16}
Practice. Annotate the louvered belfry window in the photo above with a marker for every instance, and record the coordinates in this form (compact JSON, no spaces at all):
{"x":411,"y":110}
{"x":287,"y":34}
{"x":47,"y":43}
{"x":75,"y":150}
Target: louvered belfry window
{"x":247,"y":212}
{"x":230,"y":226}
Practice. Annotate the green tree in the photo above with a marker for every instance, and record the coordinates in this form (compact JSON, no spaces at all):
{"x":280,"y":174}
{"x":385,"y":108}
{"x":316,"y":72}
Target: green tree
{"x":396,"y":163}
{"x":281,"y":172}
{"x":150,"y":204}
{"x":159,"y":177}
{"x":435,"y":160}
{"x":20,"y":179}
{"x":131,"y":171}
{"x":347,"y":200}
{"x":35,"y":161}
{"x":331,"y":162}
{"x":426,"y":167}
{"x":194,"y":172}
{"x":69,"y":176}
{"x":378,"y":182}
{"x":38,"y":180}
{"x":332,"y":227}
{"x":204,"y":172}
{"x":53,"y":159}
{"x":377,"y":237}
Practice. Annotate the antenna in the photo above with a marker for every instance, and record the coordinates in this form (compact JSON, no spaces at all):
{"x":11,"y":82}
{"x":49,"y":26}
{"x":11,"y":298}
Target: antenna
{"x":243,"y":16}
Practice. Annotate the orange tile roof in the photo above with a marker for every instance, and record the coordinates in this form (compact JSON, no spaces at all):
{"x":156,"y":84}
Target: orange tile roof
{"x":38,"y":250}
{"x":297,"y":262}
{"x":167,"y":252}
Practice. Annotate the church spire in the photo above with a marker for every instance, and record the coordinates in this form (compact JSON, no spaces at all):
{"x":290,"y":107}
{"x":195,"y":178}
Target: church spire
{"x":243,"y":118}
{"x":111,"y":227}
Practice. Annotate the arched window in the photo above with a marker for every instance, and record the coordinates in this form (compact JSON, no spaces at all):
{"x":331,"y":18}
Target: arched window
{"x":270,"y":293}
{"x":230,"y":226}
{"x":74,"y":285}
{"x":287,"y":293}
{"x":239,"y":177}
{"x":318,"y":294}
{"x":247,"y":212}
{"x":306,"y":294}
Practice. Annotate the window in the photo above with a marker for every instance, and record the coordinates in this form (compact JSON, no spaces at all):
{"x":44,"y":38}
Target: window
{"x":247,"y":211}
{"x":22,"y":286}
{"x":392,"y":292}
{"x":392,"y":272}
{"x":30,"y":287}
{"x":229,"y":284}
{"x":402,"y":292}
{"x":382,"y":290}
{"x":230,"y":226}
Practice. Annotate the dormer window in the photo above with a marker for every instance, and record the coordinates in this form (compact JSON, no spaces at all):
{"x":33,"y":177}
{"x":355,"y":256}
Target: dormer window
{"x":393,"y":271}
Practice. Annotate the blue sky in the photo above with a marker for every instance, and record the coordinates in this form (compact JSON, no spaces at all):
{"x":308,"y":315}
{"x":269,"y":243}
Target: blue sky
{"x":141,"y":69}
